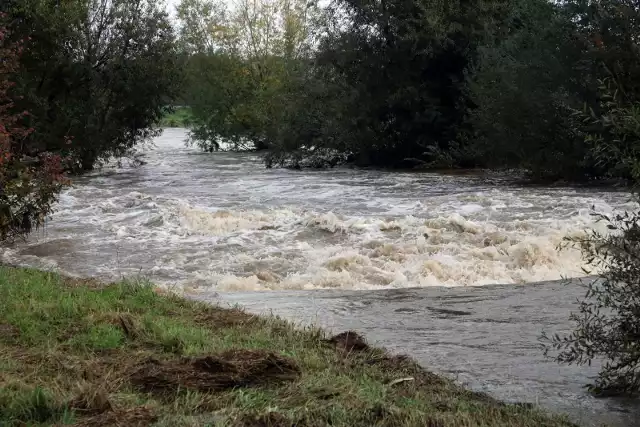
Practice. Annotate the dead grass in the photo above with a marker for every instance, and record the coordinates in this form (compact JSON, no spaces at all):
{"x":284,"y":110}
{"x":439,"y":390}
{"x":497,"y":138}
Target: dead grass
{"x":130,"y":417}
{"x":81,"y":353}
{"x":225,"y":371}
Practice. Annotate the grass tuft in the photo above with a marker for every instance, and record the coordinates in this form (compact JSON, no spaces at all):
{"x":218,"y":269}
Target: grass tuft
{"x":76,"y":352}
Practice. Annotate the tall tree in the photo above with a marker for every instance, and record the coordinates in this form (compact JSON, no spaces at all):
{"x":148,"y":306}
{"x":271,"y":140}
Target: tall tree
{"x":203,"y":25}
{"x":398,"y":70}
{"x":237,"y":85}
{"x":100,"y":70}
{"x":611,"y":30}
{"x":531,"y":73}
{"x":28,"y":186}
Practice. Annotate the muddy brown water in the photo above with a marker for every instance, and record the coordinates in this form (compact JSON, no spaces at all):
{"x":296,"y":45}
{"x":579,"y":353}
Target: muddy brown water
{"x":458,"y":271}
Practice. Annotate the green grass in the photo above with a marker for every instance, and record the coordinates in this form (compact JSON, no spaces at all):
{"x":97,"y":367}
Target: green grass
{"x":182,"y":117}
{"x":78,"y":352}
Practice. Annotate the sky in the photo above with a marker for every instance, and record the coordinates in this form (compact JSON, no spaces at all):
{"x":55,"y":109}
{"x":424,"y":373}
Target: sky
{"x":171,"y":6}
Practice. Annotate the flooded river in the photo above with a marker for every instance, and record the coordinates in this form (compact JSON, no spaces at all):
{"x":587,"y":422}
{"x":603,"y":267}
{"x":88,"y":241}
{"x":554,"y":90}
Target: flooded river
{"x":458,"y":271}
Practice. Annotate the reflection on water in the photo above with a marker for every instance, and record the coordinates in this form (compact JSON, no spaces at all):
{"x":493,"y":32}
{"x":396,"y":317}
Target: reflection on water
{"x":222,"y":222}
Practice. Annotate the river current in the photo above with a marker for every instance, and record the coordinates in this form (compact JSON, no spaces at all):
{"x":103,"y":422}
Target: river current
{"x":459,"y":271}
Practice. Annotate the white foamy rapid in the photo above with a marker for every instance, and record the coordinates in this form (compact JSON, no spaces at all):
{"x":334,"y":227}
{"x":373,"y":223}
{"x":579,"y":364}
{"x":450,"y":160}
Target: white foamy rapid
{"x":222,"y":221}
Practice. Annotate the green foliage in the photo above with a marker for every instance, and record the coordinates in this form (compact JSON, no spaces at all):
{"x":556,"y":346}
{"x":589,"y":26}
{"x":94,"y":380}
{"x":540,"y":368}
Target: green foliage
{"x":177,"y":117}
{"x":52,"y":374}
{"x":28,"y":186}
{"x":241,"y":62}
{"x":608,"y":318}
{"x":202,"y":21}
{"x":612,"y":120}
{"x":80,"y":81}
{"x":388,"y":79}
{"x":614,"y":132}
{"x":96,"y":76}
{"x":224,"y":102}
{"x":418,"y":83}
{"x":524,"y":86}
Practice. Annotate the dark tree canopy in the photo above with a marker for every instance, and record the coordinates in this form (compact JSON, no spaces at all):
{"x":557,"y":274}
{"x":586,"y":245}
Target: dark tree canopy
{"x":99,"y":71}
{"x":415,"y":83}
{"x":80,"y":81}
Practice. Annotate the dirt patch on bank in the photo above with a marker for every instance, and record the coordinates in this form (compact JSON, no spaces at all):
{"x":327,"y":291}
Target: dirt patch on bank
{"x":234,"y":368}
{"x":215,"y":317}
{"x":349,"y":342}
{"x":8,"y":332}
{"x":272,"y":419}
{"x":134,"y":417}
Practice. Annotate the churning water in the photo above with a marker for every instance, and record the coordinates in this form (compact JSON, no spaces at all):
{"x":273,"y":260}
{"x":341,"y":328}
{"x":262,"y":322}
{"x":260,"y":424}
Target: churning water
{"x":222,"y":223}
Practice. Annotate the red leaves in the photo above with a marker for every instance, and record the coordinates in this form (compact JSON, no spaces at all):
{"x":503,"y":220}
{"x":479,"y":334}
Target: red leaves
{"x":28,"y":185}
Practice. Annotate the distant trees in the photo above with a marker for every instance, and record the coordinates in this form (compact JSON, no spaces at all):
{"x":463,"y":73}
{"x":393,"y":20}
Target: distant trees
{"x":419,"y":83}
{"x":241,"y":63}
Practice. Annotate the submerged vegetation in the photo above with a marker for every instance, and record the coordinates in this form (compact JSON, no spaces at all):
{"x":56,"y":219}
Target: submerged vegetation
{"x":76,"y":352}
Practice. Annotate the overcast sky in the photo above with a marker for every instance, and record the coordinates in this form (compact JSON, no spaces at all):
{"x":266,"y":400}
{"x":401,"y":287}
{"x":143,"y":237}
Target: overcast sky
{"x":171,"y":6}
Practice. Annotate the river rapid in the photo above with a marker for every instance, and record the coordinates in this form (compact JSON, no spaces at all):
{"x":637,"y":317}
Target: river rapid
{"x":458,"y":271}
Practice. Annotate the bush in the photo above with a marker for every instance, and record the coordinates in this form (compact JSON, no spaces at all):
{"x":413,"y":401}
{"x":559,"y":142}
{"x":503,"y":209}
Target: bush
{"x":28,"y":185}
{"x":608,"y":319}
{"x":614,"y":132}
{"x":104,"y":84}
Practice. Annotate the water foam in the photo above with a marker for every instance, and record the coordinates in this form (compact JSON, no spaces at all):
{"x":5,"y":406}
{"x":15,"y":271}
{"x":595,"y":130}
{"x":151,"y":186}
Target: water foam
{"x":219,"y":221}
{"x":440,"y":251}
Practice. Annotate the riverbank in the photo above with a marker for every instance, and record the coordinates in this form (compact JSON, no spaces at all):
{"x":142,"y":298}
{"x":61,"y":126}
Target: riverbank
{"x":76,"y":352}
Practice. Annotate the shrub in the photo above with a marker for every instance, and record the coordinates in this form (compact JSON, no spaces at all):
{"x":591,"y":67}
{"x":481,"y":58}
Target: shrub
{"x":28,"y":185}
{"x":614,"y":132}
{"x":608,"y":318}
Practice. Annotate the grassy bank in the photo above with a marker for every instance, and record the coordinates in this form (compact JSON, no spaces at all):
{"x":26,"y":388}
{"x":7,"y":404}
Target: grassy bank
{"x":75,"y":352}
{"x":180,"y":118}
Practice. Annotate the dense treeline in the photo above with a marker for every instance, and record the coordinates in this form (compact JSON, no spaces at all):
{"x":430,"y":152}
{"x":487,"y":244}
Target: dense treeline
{"x":81,"y":81}
{"x":531,"y":84}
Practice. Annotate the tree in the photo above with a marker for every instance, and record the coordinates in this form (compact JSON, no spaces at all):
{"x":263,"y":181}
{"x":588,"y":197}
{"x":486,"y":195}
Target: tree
{"x":395,"y":73}
{"x":608,"y":318}
{"x":531,"y":73}
{"x":28,"y":186}
{"x":420,"y":83}
{"x":239,"y":78}
{"x":613,"y":133}
{"x":612,"y":121}
{"x":91,"y":85}
{"x":100,"y":70}
{"x":202,"y":25}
